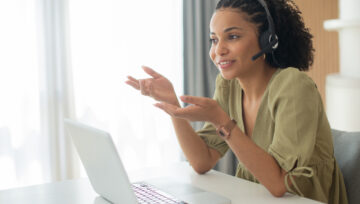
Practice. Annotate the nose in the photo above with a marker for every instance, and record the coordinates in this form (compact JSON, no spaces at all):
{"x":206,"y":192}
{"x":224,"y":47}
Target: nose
{"x":221,"y":48}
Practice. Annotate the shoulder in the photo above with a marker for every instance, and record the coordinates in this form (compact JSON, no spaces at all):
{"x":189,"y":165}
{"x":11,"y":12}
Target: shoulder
{"x":291,"y":75}
{"x":292,"y":80}
{"x":291,"y":86}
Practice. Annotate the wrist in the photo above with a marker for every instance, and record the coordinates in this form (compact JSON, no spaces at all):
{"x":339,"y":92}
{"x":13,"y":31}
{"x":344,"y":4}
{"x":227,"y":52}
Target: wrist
{"x":175,"y":102}
{"x":221,"y":120}
{"x":224,"y":131}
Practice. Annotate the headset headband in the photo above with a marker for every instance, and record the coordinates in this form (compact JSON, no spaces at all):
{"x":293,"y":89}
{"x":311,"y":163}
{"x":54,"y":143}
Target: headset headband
{"x":269,"y":18}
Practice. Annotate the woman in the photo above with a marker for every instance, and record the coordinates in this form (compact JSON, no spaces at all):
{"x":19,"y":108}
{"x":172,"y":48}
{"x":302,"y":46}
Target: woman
{"x":264,"y":109}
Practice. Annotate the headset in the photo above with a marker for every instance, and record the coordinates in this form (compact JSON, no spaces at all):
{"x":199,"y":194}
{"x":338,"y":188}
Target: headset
{"x":268,"y":40}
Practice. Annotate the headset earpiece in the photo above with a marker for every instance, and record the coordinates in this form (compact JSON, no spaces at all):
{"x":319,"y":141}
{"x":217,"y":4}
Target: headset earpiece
{"x":268,"y":42}
{"x":264,"y":41}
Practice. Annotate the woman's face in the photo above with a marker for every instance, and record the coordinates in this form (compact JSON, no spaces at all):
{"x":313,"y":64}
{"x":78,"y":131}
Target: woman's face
{"x":234,"y":41}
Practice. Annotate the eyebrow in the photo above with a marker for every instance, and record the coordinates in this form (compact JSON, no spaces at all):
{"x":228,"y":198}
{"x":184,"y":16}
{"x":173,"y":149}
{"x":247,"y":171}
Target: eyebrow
{"x":228,"y":30}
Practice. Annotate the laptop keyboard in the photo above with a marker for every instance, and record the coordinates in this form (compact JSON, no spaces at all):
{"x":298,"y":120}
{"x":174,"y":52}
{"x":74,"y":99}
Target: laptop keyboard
{"x":148,"y":194}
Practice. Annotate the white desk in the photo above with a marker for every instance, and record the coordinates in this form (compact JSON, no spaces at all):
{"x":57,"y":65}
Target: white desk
{"x":80,"y":191}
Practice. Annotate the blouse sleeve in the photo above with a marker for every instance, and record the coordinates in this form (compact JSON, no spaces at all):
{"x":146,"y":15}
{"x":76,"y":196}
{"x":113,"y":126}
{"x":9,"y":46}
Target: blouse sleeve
{"x":208,"y":132}
{"x":294,"y":106}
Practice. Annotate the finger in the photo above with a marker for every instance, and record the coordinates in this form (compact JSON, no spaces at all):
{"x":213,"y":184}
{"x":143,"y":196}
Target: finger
{"x":151,"y":72}
{"x":133,"y":84}
{"x":132,"y":79}
{"x":189,"y":113}
{"x":195,"y":100}
{"x":192,"y":113}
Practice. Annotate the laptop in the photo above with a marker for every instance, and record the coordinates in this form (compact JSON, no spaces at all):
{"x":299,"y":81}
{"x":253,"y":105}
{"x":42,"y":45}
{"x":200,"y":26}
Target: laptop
{"x":109,"y":179}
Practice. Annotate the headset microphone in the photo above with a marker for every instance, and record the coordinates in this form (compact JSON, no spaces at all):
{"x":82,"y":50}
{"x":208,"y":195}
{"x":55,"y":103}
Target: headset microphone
{"x":258,"y":55}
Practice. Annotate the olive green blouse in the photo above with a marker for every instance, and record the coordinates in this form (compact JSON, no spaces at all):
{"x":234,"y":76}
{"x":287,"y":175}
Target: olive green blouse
{"x":292,"y":126}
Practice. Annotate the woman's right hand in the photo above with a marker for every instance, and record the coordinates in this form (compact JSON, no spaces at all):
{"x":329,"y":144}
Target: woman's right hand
{"x":157,"y":87}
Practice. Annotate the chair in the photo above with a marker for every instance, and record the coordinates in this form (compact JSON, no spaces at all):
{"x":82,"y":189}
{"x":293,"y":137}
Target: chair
{"x":347,"y":154}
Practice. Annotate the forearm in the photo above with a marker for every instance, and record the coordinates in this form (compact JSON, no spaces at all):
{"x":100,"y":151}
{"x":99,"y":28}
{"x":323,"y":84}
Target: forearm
{"x":194,"y":148}
{"x":261,"y":164}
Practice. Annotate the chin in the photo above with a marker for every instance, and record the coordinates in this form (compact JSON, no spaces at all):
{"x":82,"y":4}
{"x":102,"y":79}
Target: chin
{"x":227,"y":75}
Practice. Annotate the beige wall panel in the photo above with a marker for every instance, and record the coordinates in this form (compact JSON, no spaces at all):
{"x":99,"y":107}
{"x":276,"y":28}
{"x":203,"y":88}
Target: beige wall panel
{"x":326,"y":45}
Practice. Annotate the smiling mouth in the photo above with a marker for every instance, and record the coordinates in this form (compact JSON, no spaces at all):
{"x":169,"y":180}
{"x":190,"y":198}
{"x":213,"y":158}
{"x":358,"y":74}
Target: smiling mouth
{"x":225,"y":64}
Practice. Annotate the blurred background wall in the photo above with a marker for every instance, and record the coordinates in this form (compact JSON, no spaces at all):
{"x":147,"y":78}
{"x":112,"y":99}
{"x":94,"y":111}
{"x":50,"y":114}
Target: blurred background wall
{"x":326,"y":43}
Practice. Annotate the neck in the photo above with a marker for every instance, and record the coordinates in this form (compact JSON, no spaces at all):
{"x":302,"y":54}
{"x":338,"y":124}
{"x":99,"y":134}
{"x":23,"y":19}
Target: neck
{"x":254,"y":84}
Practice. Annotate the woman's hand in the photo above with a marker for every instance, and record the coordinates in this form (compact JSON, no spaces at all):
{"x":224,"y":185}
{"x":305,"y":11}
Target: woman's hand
{"x":201,"y":109}
{"x":157,"y":87}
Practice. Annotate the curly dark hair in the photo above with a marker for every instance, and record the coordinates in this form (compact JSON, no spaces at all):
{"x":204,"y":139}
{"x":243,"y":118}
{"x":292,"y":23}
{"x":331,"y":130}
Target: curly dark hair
{"x":295,"y":41}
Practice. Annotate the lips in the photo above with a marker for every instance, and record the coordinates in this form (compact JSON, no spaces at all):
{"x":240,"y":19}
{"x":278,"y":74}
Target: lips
{"x":223,"y":64}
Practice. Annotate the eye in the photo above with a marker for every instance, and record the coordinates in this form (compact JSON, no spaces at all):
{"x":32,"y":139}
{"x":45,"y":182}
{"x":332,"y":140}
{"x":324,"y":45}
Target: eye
{"x":234,"y":37}
{"x":213,"y":40}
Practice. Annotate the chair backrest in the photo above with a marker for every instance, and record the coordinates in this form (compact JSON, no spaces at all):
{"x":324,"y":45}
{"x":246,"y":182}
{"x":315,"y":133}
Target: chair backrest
{"x":347,"y":154}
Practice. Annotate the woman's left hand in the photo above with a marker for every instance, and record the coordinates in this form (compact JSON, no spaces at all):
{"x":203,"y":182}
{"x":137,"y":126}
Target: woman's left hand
{"x":201,"y":109}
